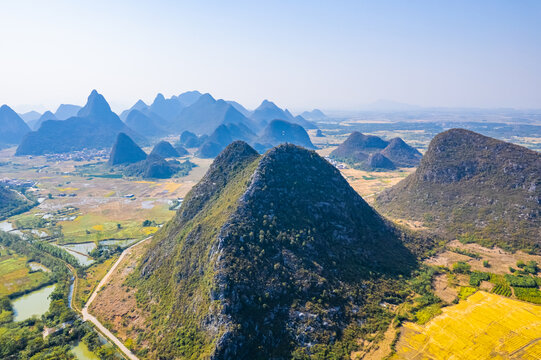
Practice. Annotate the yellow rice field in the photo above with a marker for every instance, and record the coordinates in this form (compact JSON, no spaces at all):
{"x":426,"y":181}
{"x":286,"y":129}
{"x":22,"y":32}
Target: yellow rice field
{"x":485,"y":326}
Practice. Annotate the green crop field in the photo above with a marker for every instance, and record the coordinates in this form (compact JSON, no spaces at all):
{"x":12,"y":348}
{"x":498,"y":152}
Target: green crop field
{"x":16,"y":277}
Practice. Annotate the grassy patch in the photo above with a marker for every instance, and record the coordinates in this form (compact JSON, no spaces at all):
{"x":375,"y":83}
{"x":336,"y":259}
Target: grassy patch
{"x":15,"y":276}
{"x":427,"y":313}
{"x":465,"y":292}
{"x":528,"y":294}
{"x":90,"y":280}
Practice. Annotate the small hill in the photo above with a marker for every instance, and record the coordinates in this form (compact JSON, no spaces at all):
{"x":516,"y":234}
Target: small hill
{"x":47,"y":115}
{"x":240,"y":108}
{"x":268,"y":111}
{"x":279,"y":132}
{"x":12,"y":127}
{"x":368,"y":152}
{"x":156,"y":167}
{"x":315,"y":114}
{"x":319,"y":133}
{"x":165,"y":150}
{"x":125,"y":151}
{"x":30,"y":116}
{"x":94,"y":127}
{"x":378,"y":161}
{"x":401,"y":154}
{"x":303,"y":122}
{"x":224,"y":135}
{"x":189,"y":97}
{"x":65,"y":111}
{"x":190,"y":140}
{"x":144,"y":124}
{"x":167,"y":109}
{"x":181,"y":150}
{"x":269,"y":257}
{"x":140,"y":105}
{"x":475,"y":187}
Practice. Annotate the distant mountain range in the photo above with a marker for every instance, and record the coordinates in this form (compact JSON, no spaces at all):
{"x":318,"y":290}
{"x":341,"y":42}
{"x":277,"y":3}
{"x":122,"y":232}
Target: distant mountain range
{"x":213,"y":124}
{"x":369,"y":152}
{"x":474,"y":187}
{"x":12,"y":127}
{"x":388,"y":105}
{"x":95,"y":126}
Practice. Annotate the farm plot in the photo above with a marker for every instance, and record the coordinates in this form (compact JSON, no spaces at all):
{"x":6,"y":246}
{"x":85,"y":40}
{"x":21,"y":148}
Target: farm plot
{"x":485,"y":326}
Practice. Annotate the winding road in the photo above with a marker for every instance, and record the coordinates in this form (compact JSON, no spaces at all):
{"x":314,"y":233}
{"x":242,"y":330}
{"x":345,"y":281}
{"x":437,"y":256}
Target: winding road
{"x":88,"y":317}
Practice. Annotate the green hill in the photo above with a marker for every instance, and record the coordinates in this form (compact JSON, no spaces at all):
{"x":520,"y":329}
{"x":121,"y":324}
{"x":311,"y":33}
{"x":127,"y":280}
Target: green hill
{"x":12,"y":203}
{"x":269,"y":257}
{"x":473,"y":187}
{"x":369,"y":152}
{"x":125,"y":151}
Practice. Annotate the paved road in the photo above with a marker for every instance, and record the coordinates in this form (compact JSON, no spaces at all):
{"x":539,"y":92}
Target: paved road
{"x":88,"y":317}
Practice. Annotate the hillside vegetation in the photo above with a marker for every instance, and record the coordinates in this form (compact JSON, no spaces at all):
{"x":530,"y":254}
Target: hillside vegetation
{"x":272,"y":256}
{"x":475,"y":188}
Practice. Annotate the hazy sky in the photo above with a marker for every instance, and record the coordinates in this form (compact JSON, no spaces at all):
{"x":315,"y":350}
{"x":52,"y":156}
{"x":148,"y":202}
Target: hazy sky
{"x":300,"y":54}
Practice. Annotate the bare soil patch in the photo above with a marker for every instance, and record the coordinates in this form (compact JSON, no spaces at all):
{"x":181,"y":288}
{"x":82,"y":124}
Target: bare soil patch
{"x":499,"y":260}
{"x":443,"y":289}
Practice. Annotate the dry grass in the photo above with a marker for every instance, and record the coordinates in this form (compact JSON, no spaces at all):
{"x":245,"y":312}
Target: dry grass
{"x":499,"y":260}
{"x":115,"y":306}
{"x":93,"y":275}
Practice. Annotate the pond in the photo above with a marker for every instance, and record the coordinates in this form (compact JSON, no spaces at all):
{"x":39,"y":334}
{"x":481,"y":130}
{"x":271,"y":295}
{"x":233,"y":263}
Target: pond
{"x":82,"y":352}
{"x":34,"y":303}
{"x":84,"y":248}
{"x":75,"y":250}
{"x":6,"y":226}
{"x":82,"y":259}
{"x":36,"y":266}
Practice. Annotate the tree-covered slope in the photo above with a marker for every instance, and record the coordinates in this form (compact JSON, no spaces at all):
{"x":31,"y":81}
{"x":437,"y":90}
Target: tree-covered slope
{"x":474,"y":186}
{"x":369,"y":152}
{"x":270,"y":256}
{"x":11,"y":203}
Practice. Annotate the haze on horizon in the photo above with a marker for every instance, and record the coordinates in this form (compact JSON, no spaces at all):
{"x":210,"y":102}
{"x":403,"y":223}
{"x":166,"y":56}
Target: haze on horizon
{"x":302,"y":54}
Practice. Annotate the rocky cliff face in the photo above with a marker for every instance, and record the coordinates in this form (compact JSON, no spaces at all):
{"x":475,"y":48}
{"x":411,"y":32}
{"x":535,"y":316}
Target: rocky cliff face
{"x":268,"y":256}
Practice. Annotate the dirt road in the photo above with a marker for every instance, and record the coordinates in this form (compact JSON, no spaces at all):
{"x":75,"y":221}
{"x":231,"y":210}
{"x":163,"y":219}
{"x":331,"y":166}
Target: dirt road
{"x":88,"y":317}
